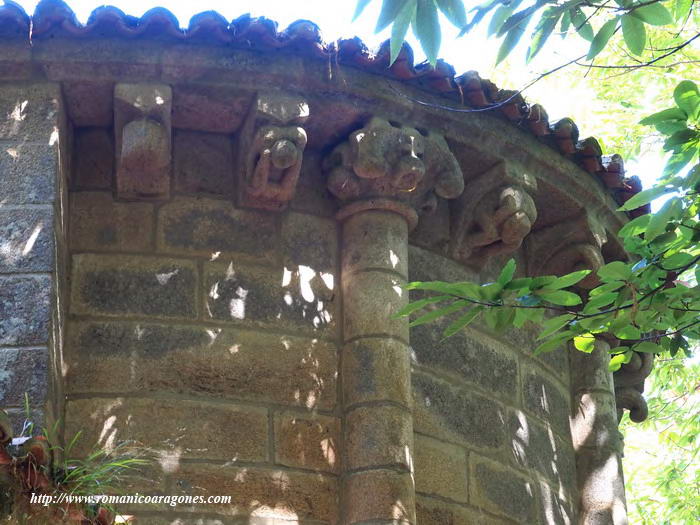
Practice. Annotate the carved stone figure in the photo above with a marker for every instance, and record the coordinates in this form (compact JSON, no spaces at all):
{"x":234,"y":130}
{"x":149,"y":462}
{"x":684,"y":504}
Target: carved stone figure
{"x":494,"y":216}
{"x":568,"y":247}
{"x":629,"y":386}
{"x":386,"y":165}
{"x":143,"y":140}
{"x":270,"y":151}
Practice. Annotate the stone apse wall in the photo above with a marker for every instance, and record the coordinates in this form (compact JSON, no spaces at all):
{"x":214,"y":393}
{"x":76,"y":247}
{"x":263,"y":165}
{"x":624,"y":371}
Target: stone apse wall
{"x":202,"y":247}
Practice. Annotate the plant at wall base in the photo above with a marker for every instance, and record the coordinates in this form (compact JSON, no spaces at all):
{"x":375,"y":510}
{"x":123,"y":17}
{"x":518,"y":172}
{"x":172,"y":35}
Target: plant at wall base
{"x":29,"y":466}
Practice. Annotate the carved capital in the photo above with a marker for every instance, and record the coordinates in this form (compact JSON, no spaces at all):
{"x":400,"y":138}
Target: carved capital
{"x":270,"y":150}
{"x":392,"y":167}
{"x":493,"y":216}
{"x":142,"y":140}
{"x":567,"y":247}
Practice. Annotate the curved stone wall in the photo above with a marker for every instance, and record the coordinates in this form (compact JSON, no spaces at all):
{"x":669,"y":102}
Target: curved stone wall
{"x":231,"y":230}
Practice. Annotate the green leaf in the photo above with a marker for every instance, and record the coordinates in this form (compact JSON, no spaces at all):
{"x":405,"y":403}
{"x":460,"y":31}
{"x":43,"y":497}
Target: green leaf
{"x":453,"y":11}
{"x":647,"y":347}
{"x":565,"y":23}
{"x":601,"y":38}
{"x":599,"y":301}
{"x":499,"y":16}
{"x":519,"y":19}
{"x":555,"y":323}
{"x":462,"y":322}
{"x":687,"y":96}
{"x":634,"y":33}
{"x":657,"y":225}
{"x":553,"y":343}
{"x":361,"y":4}
{"x":427,"y":29}
{"x":585,"y":342}
{"x":643,"y":197}
{"x":390,"y":10}
{"x":681,"y":9}
{"x":653,"y":14}
{"x":566,"y":280}
{"x":614,"y":271}
{"x":509,"y":42}
{"x":400,"y":28}
{"x":581,"y":24}
{"x":673,"y":114}
{"x":561,"y":297}
{"x":507,"y":273}
{"x":619,"y":359}
{"x":418,"y":305}
{"x":635,"y":227}
{"x":440,"y":312}
{"x":543,"y":30}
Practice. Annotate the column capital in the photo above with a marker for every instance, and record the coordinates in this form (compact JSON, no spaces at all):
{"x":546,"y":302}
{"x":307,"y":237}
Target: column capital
{"x":393,"y":167}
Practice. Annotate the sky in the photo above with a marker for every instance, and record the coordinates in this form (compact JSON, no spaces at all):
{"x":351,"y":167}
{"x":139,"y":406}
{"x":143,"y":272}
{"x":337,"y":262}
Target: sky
{"x":473,"y":52}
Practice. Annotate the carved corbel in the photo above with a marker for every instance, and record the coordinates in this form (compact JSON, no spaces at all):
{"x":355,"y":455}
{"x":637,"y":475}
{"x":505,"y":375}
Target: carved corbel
{"x":142,"y":140}
{"x":493,"y":216}
{"x":393,"y":167}
{"x":270,"y":151}
{"x":567,"y":247}
{"x":629,"y":386}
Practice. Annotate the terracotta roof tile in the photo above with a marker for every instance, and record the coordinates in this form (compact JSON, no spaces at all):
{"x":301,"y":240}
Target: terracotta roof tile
{"x":55,"y":18}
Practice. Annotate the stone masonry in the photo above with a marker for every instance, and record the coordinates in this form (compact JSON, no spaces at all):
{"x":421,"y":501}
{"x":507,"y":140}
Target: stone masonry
{"x":202,"y":248}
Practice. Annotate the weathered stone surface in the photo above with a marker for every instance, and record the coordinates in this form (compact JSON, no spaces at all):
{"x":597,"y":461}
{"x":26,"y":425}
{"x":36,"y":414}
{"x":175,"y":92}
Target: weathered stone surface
{"x":437,"y":512}
{"x":457,"y":416}
{"x":133,"y":285}
{"x":261,"y":493}
{"x":98,"y":222}
{"x":226,"y":363}
{"x":312,"y":196}
{"x":29,"y":112}
{"x":378,"y":436}
{"x":181,"y":429}
{"x":203,"y":163}
{"x":89,"y":103}
{"x":429,"y":266}
{"x":23,"y":370}
{"x":380,"y":495}
{"x":385,"y":233}
{"x":544,"y":398}
{"x":502,"y":490}
{"x":376,"y":369}
{"x":602,"y":491}
{"x":310,"y":241}
{"x":468,"y":355}
{"x":594,"y":420}
{"x":370,"y":300}
{"x":142,"y":140}
{"x":441,"y":469}
{"x":93,"y":159}
{"x":556,"y":508}
{"x":25,"y":310}
{"x":215,"y":229}
{"x":590,"y":371}
{"x":28,"y":173}
{"x":26,"y":240}
{"x":260,"y":296}
{"x":533,"y":445}
{"x":307,"y":441}
{"x":213,"y":108}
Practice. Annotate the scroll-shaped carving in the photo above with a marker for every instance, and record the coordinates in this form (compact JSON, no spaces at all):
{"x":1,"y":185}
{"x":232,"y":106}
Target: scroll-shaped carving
{"x":567,"y":247}
{"x":629,"y":386}
{"x":493,"y":216}
{"x":270,"y":151}
{"x":394,"y":167}
{"x":142,"y":140}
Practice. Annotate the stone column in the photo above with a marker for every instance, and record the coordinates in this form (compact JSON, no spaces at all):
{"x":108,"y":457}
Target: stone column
{"x":33,"y":160}
{"x":385,"y":174}
{"x":597,"y":442}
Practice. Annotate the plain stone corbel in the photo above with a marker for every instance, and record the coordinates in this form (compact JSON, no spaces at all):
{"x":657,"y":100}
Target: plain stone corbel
{"x":493,"y":216}
{"x":270,"y":149}
{"x":142,"y":132}
{"x":567,"y":247}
